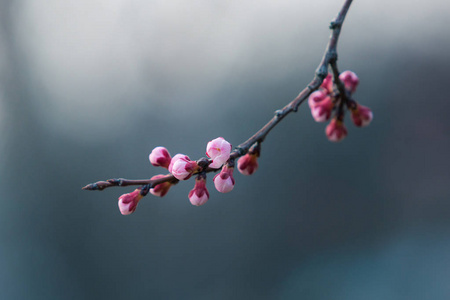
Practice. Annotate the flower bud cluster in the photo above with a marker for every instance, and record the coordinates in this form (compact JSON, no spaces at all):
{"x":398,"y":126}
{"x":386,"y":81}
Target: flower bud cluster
{"x":327,"y":100}
{"x":326,"y":103}
{"x":183,"y":168}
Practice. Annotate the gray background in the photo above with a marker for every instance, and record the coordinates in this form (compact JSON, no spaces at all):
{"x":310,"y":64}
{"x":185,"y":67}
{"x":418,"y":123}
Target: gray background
{"x":88,"y":88}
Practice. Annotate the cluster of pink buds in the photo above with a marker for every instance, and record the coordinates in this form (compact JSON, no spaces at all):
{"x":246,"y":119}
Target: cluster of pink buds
{"x":329,"y":102}
{"x":182,"y":167}
{"x":329,"y":99}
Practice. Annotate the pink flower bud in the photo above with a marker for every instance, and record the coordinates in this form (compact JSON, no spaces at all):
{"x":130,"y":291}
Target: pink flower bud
{"x":160,"y":157}
{"x":161,"y":189}
{"x":350,"y":80}
{"x":362,"y":115}
{"x":321,"y":111}
{"x":224,"y":181}
{"x":175,"y":158}
{"x":219,"y":151}
{"x":199,"y":194}
{"x":128,"y":202}
{"x":182,"y":167}
{"x":248,"y":164}
{"x":316,"y":97}
{"x":327,"y":84}
{"x":336,"y":130}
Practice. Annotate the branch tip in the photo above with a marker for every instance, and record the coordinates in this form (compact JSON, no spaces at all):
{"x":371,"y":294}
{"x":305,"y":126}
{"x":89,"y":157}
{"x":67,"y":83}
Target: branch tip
{"x":91,"y":187}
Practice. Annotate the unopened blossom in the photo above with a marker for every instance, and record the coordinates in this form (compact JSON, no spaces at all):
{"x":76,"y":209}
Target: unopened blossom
{"x":361,"y":115}
{"x":350,"y":80}
{"x":161,"y":189}
{"x":336,"y":130}
{"x":128,"y":202}
{"x":248,"y":164}
{"x":182,"y":167}
{"x":174,"y":159}
{"x":316,"y":97}
{"x":224,"y":181}
{"x":219,"y":151}
{"x":199,"y":194}
{"x":160,"y":157}
{"x":327,"y":84}
{"x":321,"y":111}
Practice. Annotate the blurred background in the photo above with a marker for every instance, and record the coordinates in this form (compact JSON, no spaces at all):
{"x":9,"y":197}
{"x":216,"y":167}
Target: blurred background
{"x":89,"y":88}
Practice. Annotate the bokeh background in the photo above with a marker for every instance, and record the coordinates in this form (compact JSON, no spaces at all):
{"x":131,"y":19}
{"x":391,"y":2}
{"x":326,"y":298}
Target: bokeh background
{"x":89,"y":87}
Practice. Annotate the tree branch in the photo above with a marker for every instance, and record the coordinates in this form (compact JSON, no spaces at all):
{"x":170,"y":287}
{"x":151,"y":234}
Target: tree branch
{"x":329,"y":58}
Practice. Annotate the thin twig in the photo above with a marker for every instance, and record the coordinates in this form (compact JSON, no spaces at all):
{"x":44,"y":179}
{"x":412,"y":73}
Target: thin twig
{"x":329,"y":58}
{"x":101,"y":185}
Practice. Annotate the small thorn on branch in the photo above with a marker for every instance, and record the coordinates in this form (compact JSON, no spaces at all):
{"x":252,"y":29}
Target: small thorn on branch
{"x":335,"y":25}
{"x":278,"y":113}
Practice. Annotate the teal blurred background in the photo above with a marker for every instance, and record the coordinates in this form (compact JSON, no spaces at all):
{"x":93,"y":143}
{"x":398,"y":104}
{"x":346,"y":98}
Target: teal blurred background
{"x":89,"y":88}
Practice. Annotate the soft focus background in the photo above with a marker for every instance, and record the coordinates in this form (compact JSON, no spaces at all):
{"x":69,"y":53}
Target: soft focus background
{"x":89,"y":87}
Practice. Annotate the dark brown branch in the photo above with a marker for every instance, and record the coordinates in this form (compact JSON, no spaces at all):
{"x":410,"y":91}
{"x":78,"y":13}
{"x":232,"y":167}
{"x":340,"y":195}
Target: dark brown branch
{"x":329,"y":57}
{"x":100,"y":185}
